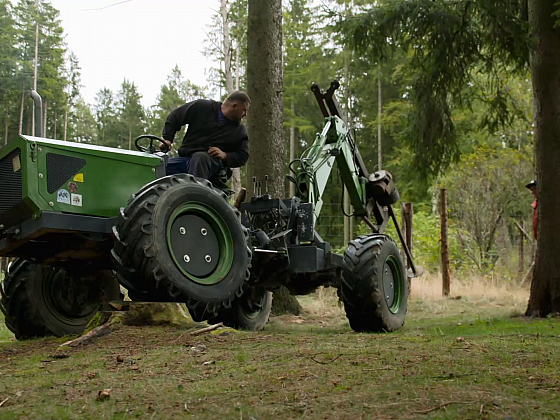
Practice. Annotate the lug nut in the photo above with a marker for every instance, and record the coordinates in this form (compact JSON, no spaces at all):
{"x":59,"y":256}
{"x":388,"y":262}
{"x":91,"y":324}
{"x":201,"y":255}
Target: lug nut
{"x":182,"y":230}
{"x":208,"y":258}
{"x":203,"y":231}
{"x":187,"y":258}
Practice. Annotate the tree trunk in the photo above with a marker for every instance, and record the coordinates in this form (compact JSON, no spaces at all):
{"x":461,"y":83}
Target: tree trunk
{"x":45,"y":119}
{"x":7,"y":120}
{"x":20,"y":128}
{"x":227,"y":46}
{"x":264,"y":86}
{"x":292,"y":140}
{"x":236,"y":176}
{"x":65,"y":124}
{"x":545,"y":68}
{"x":55,"y":121}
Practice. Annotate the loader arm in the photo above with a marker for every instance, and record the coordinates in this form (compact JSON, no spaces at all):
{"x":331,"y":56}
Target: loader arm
{"x":334,"y":143}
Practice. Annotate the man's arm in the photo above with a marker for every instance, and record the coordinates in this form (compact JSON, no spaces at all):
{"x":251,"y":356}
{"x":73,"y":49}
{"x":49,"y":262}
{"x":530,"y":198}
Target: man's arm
{"x":176,"y":119}
{"x":238,"y":158}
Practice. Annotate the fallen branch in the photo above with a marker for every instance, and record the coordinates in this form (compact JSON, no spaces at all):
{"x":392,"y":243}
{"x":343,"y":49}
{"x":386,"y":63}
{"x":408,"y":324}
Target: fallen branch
{"x":523,"y":231}
{"x":208,"y":329}
{"x":439,"y":407}
{"x":325,"y":363}
{"x":4,"y":402}
{"x":95,"y":333}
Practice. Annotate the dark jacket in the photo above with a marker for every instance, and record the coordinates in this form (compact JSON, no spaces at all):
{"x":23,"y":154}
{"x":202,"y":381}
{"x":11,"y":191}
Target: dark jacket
{"x":204,"y":131}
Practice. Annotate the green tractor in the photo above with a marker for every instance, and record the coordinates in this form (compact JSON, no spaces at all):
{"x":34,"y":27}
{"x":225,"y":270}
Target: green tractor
{"x":81,"y":221}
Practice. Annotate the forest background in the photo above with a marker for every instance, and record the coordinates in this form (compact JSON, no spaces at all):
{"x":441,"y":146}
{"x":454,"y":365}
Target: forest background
{"x":484,"y":173}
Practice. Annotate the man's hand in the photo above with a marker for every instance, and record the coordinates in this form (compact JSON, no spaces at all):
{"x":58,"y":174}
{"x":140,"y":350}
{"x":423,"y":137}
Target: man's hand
{"x":165,"y":147}
{"x":217,"y":153}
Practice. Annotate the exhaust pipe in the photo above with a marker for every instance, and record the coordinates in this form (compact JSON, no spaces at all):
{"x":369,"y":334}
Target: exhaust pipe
{"x":38,"y":113}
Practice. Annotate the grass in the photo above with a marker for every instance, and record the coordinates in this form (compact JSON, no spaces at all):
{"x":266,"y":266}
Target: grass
{"x":455,"y":358}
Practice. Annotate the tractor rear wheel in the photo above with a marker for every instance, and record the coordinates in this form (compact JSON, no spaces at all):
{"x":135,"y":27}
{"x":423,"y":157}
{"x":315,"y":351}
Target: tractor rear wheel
{"x":180,"y":240}
{"x":374,"y":285}
{"x":249,"y":312}
{"x":39,"y":300}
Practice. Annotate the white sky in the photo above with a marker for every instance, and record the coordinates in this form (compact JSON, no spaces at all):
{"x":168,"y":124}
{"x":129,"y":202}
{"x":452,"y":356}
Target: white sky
{"x":141,"y":40}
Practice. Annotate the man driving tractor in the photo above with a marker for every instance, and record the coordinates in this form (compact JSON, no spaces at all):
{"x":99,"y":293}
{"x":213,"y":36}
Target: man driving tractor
{"x":215,"y":138}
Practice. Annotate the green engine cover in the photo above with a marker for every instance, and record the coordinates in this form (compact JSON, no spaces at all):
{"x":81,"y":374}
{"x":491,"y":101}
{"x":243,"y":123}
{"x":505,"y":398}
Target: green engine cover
{"x":38,"y":175}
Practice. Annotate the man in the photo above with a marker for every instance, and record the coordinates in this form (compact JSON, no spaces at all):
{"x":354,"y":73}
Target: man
{"x":533,"y":187}
{"x":215,"y":137}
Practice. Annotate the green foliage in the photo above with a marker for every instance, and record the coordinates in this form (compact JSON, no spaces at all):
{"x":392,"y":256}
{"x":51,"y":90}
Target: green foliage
{"x":486,"y":189}
{"x":446,"y":45}
{"x":426,"y":241}
{"x":130,"y":113}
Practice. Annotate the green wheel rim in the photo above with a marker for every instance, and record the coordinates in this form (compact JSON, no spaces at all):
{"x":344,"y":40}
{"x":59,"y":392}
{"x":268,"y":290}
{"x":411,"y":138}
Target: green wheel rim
{"x":393,"y":284}
{"x":225,"y":241}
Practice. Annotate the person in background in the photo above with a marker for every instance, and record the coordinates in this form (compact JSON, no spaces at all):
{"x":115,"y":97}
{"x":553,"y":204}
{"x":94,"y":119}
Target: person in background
{"x":533,"y":187}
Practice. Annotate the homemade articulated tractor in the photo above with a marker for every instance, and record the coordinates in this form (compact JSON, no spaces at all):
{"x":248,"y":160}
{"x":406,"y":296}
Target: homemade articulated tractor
{"x":82,"y":220}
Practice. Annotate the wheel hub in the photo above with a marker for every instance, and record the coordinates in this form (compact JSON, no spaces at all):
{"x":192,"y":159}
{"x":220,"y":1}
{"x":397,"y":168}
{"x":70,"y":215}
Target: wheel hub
{"x":194,"y":245}
{"x":388,"y":284}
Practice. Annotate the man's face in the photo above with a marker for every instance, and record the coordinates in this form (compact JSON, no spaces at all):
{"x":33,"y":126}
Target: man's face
{"x":236,"y":111}
{"x":534,"y":191}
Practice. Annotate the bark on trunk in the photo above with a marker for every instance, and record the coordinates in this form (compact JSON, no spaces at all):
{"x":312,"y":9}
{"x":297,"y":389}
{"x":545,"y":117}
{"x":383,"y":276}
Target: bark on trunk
{"x":264,"y":76}
{"x":7,"y":121}
{"x":45,"y":119}
{"x":545,"y":71}
{"x":292,"y":140}
{"x":65,"y":124}
{"x":264,"y":86}
{"x":20,"y":128}
{"x":236,"y":176}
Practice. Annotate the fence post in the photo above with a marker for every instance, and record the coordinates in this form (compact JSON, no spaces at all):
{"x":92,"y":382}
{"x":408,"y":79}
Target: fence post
{"x":445,"y":271}
{"x":521,"y":255}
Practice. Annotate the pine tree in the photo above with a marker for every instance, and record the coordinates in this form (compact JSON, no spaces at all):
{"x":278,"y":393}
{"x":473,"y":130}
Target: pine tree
{"x":130,"y":114}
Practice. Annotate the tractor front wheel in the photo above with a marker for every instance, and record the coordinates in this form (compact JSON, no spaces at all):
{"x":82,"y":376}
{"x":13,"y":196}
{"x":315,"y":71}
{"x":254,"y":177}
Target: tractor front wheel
{"x":39,"y":300}
{"x":374,"y":285}
{"x":179,"y":240}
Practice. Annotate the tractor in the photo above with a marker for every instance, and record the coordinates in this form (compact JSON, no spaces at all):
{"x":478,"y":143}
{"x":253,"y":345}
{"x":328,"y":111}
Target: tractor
{"x":82,"y":220}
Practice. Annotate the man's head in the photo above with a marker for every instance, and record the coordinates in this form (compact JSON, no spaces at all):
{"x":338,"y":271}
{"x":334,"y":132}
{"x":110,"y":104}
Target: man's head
{"x":236,"y":105}
{"x":533,"y":187}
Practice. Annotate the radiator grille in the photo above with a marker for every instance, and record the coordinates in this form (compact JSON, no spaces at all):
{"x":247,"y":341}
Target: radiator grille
{"x":10,"y":181}
{"x":60,"y":169}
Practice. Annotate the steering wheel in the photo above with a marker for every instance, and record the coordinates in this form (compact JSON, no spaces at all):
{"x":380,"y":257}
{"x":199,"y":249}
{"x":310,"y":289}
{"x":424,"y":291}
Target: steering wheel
{"x":151,"y":148}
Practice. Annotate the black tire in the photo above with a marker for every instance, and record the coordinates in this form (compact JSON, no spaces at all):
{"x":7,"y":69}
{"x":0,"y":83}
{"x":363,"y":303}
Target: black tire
{"x":374,"y":285}
{"x":40,"y":300}
{"x":249,"y":312}
{"x":147,"y":262}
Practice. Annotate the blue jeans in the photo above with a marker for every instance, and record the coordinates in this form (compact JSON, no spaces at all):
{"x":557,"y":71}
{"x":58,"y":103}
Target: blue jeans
{"x":199,"y":164}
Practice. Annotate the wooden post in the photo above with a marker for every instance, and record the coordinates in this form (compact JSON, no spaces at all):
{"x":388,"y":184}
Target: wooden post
{"x":445,"y":271}
{"x":521,"y":256}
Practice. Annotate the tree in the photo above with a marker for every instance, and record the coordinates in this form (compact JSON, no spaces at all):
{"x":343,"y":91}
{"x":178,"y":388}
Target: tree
{"x":485,"y":190}
{"x":51,"y":77}
{"x":545,"y":68}
{"x":448,"y":43}
{"x":264,"y":86}
{"x":173,"y":94}
{"x":8,"y":63}
{"x":130,"y":114}
{"x":106,"y":116}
